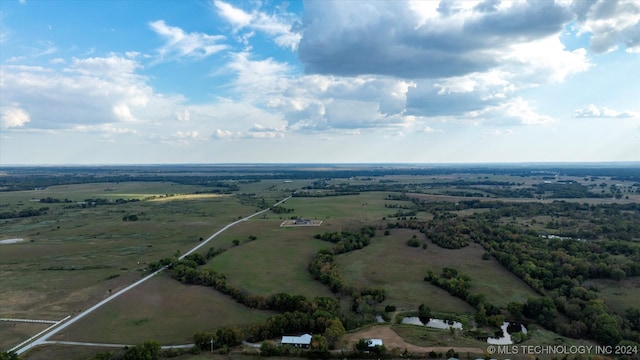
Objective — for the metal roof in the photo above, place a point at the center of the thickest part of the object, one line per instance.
(297, 340)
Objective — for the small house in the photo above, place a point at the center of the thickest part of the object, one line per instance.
(302, 341)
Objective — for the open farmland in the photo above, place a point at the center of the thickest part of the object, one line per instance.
(162, 310)
(77, 254)
(96, 238)
(406, 267)
(275, 262)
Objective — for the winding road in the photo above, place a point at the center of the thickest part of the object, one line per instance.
(42, 337)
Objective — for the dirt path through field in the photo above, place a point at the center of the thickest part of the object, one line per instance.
(392, 340)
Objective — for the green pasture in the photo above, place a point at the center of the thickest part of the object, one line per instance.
(343, 211)
(405, 267)
(276, 262)
(618, 295)
(162, 310)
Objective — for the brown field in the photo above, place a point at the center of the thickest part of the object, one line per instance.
(393, 342)
(13, 333)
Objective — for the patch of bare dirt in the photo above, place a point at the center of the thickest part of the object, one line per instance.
(392, 340)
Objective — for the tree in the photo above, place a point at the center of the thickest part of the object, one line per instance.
(362, 345)
(515, 309)
(319, 344)
(424, 313)
(149, 350)
(607, 330)
(8, 355)
(268, 348)
(334, 331)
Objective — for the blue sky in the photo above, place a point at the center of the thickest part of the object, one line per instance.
(151, 82)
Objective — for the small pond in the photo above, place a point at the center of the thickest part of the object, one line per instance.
(507, 329)
(434, 323)
(10, 241)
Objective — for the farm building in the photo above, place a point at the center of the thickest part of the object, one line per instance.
(297, 341)
(302, 221)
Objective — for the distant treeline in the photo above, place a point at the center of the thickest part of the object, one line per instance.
(23, 213)
(217, 176)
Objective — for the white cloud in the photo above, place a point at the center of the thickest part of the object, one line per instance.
(543, 61)
(276, 26)
(593, 111)
(257, 78)
(237, 17)
(98, 90)
(178, 43)
(221, 134)
(516, 111)
(12, 116)
(57, 61)
(260, 132)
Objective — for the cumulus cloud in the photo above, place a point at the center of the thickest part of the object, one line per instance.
(592, 111)
(609, 23)
(278, 27)
(178, 43)
(412, 41)
(99, 90)
(516, 111)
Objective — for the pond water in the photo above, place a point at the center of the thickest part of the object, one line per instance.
(505, 339)
(10, 241)
(433, 323)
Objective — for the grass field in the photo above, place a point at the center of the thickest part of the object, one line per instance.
(15, 333)
(72, 258)
(619, 295)
(276, 262)
(162, 310)
(405, 268)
